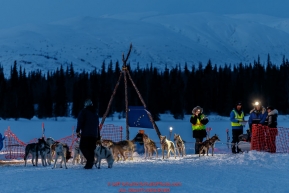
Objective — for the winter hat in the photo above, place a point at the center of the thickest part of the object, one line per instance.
(87, 103)
(239, 103)
(270, 107)
(197, 108)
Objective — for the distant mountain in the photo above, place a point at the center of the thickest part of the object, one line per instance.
(158, 37)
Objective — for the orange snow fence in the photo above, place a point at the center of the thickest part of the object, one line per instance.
(266, 139)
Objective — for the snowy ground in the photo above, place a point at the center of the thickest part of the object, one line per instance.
(224, 172)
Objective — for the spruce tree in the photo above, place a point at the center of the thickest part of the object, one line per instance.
(154, 95)
(60, 97)
(176, 92)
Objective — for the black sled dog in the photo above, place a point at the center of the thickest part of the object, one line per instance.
(205, 146)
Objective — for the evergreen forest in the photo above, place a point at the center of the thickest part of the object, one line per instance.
(177, 91)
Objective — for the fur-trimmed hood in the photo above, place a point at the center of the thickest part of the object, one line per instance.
(273, 112)
(263, 110)
(196, 108)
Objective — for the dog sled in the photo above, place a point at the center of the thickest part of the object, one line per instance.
(244, 142)
(244, 145)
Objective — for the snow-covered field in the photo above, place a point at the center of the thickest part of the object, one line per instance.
(224, 172)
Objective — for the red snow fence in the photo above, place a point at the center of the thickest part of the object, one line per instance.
(266, 139)
(14, 148)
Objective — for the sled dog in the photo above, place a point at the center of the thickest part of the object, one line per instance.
(77, 154)
(50, 141)
(205, 146)
(32, 149)
(102, 152)
(44, 151)
(180, 145)
(61, 150)
(120, 147)
(168, 146)
(149, 146)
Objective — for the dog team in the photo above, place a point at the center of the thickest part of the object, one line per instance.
(91, 149)
(49, 149)
(108, 150)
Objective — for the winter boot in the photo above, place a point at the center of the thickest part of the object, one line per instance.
(88, 165)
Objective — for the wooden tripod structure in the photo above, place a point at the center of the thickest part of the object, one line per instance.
(124, 72)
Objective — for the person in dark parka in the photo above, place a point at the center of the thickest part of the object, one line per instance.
(199, 121)
(272, 131)
(88, 131)
(271, 119)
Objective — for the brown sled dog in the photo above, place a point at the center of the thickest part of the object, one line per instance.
(205, 146)
(119, 148)
(149, 146)
(180, 145)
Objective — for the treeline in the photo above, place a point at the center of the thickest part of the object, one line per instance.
(176, 91)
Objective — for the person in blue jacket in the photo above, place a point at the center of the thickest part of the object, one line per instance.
(236, 116)
(257, 115)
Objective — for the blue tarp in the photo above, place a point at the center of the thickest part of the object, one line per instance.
(138, 117)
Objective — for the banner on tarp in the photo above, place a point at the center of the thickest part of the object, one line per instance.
(138, 117)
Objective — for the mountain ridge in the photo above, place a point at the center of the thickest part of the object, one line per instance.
(159, 38)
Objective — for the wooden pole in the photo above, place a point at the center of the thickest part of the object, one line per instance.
(124, 70)
(43, 130)
(126, 103)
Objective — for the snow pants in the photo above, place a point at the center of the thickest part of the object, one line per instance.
(87, 146)
(198, 144)
(235, 139)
